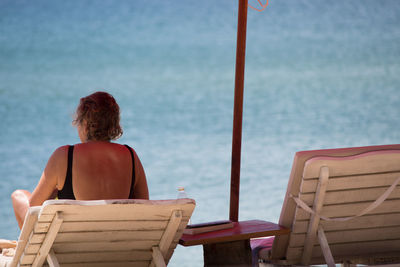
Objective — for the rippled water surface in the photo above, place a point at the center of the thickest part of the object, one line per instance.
(319, 74)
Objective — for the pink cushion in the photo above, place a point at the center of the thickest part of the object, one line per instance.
(261, 247)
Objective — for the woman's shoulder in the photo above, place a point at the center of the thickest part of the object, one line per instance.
(60, 151)
(57, 160)
(59, 154)
(100, 148)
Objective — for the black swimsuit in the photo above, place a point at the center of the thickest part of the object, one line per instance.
(67, 191)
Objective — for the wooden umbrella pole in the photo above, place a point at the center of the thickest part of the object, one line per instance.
(238, 110)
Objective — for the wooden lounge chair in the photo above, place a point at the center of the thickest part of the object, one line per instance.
(102, 233)
(342, 206)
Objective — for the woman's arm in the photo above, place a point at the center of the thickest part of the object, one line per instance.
(20, 202)
(51, 177)
(23, 199)
(141, 191)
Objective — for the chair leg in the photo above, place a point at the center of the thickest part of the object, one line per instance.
(158, 259)
(170, 231)
(52, 259)
(314, 220)
(325, 247)
(48, 240)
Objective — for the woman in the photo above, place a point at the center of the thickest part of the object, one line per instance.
(93, 169)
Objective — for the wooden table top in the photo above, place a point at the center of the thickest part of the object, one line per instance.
(241, 231)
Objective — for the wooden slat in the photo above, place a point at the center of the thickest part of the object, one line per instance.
(30, 251)
(132, 202)
(28, 259)
(103, 246)
(352, 182)
(352, 236)
(74, 247)
(372, 162)
(343, 210)
(91, 217)
(351, 196)
(33, 248)
(100, 236)
(45, 218)
(114, 212)
(118, 256)
(37, 238)
(137, 225)
(109, 236)
(338, 250)
(70, 247)
(366, 221)
(109, 264)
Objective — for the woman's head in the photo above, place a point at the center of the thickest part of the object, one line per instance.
(98, 116)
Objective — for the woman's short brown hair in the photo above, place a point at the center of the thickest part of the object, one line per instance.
(101, 113)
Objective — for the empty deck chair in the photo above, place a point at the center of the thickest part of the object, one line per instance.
(102, 233)
(342, 206)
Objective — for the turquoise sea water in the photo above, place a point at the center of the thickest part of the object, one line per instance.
(319, 74)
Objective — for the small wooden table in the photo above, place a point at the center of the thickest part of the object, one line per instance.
(232, 246)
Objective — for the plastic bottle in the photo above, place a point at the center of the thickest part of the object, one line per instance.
(181, 192)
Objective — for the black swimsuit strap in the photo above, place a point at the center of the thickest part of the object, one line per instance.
(67, 191)
(133, 172)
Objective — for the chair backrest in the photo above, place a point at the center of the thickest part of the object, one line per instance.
(356, 178)
(104, 232)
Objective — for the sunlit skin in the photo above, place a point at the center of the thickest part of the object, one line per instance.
(101, 170)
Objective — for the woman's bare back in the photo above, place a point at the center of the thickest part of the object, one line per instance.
(101, 170)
